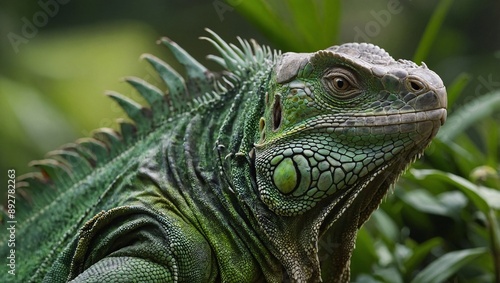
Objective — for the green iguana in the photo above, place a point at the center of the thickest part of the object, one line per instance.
(233, 177)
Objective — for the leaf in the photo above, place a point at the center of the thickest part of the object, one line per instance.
(454, 201)
(385, 256)
(388, 275)
(475, 156)
(365, 278)
(431, 30)
(385, 225)
(491, 196)
(491, 133)
(469, 115)
(456, 87)
(316, 22)
(420, 252)
(494, 230)
(447, 265)
(484, 198)
(266, 17)
(295, 25)
(364, 254)
(424, 201)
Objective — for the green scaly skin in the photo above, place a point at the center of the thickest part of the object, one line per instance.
(230, 179)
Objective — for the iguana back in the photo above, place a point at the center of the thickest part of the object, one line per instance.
(231, 177)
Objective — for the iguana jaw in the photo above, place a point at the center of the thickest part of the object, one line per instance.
(339, 220)
(366, 190)
(336, 219)
(332, 225)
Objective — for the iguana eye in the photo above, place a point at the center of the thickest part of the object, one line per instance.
(340, 83)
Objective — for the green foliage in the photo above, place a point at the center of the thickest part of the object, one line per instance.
(309, 25)
(447, 265)
(471, 114)
(431, 31)
(53, 93)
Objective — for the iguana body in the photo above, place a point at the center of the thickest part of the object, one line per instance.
(232, 179)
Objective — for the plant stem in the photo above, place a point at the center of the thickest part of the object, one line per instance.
(494, 231)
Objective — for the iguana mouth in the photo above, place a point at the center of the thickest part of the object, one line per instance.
(402, 118)
(406, 122)
(380, 120)
(381, 179)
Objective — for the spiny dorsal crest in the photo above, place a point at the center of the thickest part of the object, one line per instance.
(238, 60)
(74, 162)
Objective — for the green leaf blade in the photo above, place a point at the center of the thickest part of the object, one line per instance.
(431, 30)
(470, 114)
(447, 265)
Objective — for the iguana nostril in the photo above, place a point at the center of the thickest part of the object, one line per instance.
(415, 85)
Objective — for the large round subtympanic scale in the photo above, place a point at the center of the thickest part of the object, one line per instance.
(292, 174)
(285, 176)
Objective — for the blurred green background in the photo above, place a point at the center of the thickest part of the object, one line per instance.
(51, 89)
(441, 222)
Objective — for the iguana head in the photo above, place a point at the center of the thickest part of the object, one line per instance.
(339, 126)
(338, 118)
